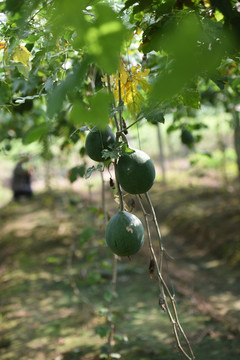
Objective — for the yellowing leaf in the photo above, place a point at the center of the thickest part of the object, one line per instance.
(138, 31)
(143, 73)
(144, 84)
(58, 46)
(129, 82)
(2, 44)
(135, 69)
(21, 54)
(207, 3)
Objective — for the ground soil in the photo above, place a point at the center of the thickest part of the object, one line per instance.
(56, 275)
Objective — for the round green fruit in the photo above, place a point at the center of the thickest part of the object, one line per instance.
(135, 172)
(97, 140)
(124, 234)
(186, 137)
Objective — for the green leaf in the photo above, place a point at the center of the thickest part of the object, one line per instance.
(193, 53)
(172, 128)
(23, 70)
(36, 133)
(100, 33)
(13, 5)
(48, 84)
(105, 265)
(57, 96)
(69, 14)
(93, 278)
(5, 93)
(77, 171)
(102, 330)
(98, 112)
(191, 98)
(126, 150)
(154, 115)
(113, 151)
(108, 296)
(92, 169)
(52, 260)
(105, 37)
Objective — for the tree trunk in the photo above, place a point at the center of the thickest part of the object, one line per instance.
(237, 139)
(47, 175)
(162, 157)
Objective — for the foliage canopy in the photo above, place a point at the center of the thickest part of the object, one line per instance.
(56, 57)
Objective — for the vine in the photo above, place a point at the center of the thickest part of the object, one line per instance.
(130, 239)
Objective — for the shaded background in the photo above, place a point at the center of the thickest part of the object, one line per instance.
(56, 268)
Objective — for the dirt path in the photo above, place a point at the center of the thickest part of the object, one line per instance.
(43, 319)
(210, 284)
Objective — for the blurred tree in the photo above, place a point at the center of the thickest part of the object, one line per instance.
(223, 91)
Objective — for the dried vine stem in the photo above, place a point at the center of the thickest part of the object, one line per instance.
(172, 314)
(161, 248)
(114, 275)
(119, 126)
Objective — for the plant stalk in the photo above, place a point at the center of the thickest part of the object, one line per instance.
(173, 315)
(157, 230)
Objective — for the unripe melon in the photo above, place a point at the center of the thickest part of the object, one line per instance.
(135, 172)
(97, 140)
(124, 234)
